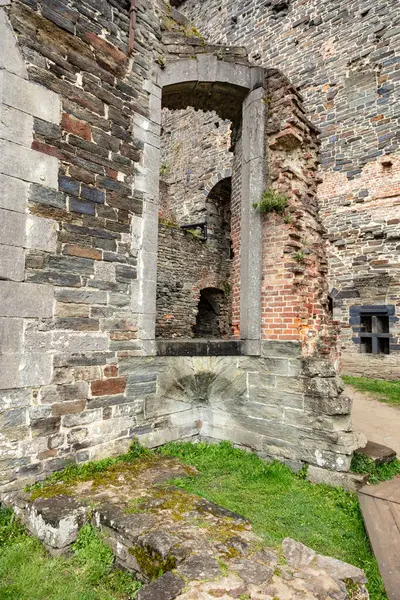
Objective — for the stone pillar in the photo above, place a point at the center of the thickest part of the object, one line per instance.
(145, 228)
(253, 185)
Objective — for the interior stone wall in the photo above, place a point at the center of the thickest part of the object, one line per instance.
(186, 265)
(194, 149)
(344, 60)
(280, 405)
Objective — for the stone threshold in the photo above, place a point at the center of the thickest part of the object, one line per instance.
(200, 347)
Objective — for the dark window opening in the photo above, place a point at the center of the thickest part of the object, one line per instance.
(366, 345)
(374, 331)
(211, 318)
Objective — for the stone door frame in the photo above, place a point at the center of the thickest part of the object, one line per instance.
(204, 69)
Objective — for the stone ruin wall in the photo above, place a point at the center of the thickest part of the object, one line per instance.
(344, 60)
(76, 379)
(194, 155)
(186, 265)
(75, 121)
(293, 249)
(195, 149)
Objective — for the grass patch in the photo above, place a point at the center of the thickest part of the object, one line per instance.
(364, 464)
(280, 504)
(27, 572)
(271, 201)
(385, 391)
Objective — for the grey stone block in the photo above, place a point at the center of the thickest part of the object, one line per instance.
(328, 405)
(281, 349)
(81, 296)
(11, 58)
(16, 126)
(313, 367)
(80, 343)
(26, 300)
(11, 335)
(55, 521)
(27, 164)
(12, 228)
(35, 369)
(13, 398)
(350, 481)
(41, 234)
(12, 263)
(31, 98)
(13, 193)
(46, 195)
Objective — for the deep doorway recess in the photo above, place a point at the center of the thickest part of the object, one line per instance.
(212, 319)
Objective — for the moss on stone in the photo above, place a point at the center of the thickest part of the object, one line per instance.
(151, 563)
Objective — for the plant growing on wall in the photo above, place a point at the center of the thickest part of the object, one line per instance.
(164, 168)
(271, 201)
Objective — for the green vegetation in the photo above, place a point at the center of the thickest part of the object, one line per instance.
(363, 464)
(271, 201)
(28, 573)
(300, 256)
(385, 391)
(164, 169)
(281, 504)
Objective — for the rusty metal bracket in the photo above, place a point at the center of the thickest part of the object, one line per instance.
(132, 26)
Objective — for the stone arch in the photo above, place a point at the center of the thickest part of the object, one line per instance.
(235, 92)
(216, 178)
(21, 167)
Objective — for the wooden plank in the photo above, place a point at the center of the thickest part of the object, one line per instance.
(387, 490)
(384, 536)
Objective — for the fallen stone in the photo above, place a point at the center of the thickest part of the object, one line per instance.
(56, 521)
(379, 453)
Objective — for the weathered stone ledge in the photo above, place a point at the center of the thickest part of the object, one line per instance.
(203, 550)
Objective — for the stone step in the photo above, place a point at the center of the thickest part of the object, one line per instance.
(378, 453)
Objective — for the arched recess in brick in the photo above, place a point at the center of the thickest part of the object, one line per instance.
(235, 92)
(22, 304)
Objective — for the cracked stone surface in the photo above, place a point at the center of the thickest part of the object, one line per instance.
(203, 550)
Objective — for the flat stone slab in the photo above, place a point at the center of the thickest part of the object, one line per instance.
(379, 453)
(203, 551)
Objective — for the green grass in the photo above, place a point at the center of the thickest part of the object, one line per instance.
(27, 572)
(281, 504)
(385, 391)
(363, 464)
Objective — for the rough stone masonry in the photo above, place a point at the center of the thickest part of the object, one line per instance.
(81, 372)
(344, 59)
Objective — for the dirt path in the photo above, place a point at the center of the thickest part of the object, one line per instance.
(380, 422)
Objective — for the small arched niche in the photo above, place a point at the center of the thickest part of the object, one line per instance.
(212, 320)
